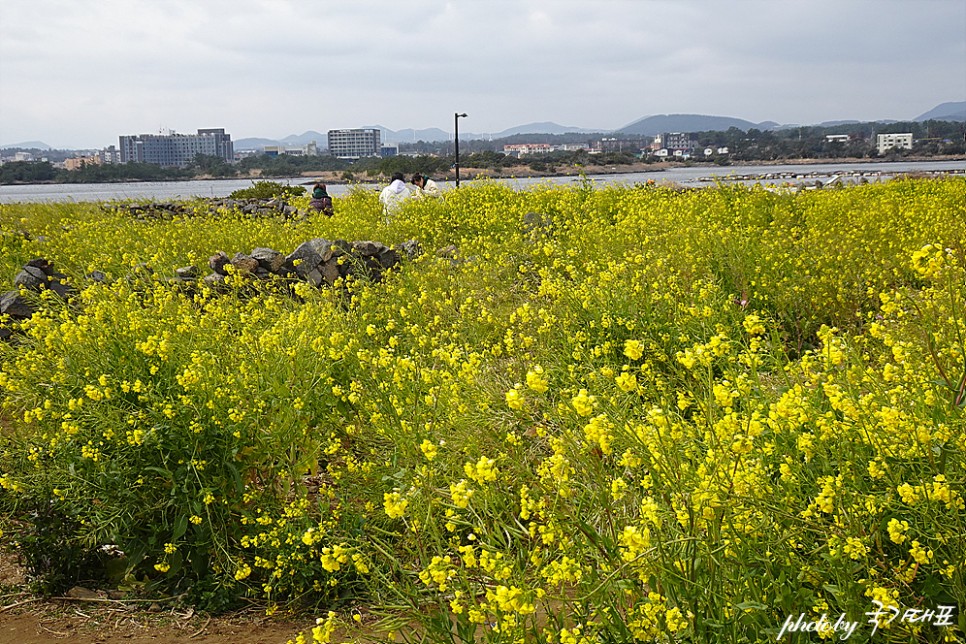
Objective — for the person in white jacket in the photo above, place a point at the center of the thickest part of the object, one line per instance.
(394, 195)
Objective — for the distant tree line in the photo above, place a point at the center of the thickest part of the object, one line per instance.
(807, 142)
(45, 172)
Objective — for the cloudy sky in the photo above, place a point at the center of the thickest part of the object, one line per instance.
(78, 74)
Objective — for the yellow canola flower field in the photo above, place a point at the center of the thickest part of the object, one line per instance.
(642, 414)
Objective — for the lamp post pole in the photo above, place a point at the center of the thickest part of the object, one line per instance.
(456, 140)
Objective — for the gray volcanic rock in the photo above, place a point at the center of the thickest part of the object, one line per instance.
(31, 278)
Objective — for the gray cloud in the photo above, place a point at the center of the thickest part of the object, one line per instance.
(79, 74)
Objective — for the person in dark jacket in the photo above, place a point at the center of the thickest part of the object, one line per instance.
(321, 201)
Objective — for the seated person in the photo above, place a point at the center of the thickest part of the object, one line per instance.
(321, 201)
(425, 187)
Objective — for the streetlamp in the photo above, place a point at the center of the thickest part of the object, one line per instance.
(456, 140)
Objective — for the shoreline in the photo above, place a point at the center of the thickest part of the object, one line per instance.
(523, 172)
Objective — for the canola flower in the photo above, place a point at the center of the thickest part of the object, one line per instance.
(671, 415)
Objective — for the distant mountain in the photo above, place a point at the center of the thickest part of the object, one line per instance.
(945, 112)
(253, 143)
(292, 141)
(544, 127)
(654, 125)
(27, 145)
(646, 126)
(409, 135)
(305, 138)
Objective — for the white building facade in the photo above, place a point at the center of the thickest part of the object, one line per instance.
(355, 143)
(886, 142)
(175, 150)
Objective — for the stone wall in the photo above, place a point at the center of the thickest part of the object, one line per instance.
(319, 262)
(316, 261)
(275, 207)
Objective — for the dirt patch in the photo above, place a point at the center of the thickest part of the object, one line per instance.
(28, 619)
(11, 575)
(51, 621)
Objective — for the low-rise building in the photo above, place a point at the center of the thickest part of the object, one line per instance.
(613, 144)
(677, 141)
(310, 149)
(523, 149)
(572, 147)
(76, 163)
(886, 142)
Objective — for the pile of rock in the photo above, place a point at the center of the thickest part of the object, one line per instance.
(317, 261)
(274, 207)
(36, 275)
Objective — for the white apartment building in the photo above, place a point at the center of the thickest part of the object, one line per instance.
(173, 149)
(355, 143)
(523, 149)
(888, 141)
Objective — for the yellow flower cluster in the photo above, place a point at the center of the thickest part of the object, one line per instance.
(666, 415)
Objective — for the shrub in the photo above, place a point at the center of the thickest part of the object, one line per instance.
(267, 190)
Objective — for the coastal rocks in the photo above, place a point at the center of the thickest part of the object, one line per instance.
(218, 262)
(35, 276)
(808, 180)
(315, 261)
(270, 260)
(31, 278)
(318, 262)
(244, 264)
(15, 305)
(307, 256)
(411, 249)
(214, 279)
(165, 210)
(274, 207)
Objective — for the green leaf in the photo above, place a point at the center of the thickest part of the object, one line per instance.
(750, 604)
(199, 562)
(175, 560)
(180, 527)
